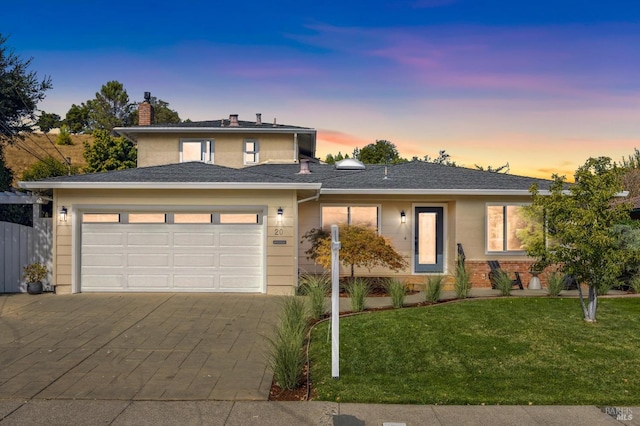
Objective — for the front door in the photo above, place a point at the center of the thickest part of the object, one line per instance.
(429, 239)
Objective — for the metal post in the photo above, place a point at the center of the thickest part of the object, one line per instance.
(335, 302)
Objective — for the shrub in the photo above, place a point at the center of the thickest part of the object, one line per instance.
(634, 284)
(286, 354)
(555, 284)
(64, 137)
(398, 291)
(434, 288)
(462, 283)
(315, 287)
(358, 289)
(503, 282)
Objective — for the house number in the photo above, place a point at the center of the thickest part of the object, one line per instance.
(279, 231)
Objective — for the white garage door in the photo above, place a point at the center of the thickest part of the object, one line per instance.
(171, 257)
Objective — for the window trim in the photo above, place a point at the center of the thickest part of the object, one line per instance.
(348, 206)
(504, 250)
(255, 152)
(207, 149)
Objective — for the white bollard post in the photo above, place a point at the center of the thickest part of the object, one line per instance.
(335, 302)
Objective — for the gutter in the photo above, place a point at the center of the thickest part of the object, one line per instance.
(168, 185)
(314, 198)
(510, 192)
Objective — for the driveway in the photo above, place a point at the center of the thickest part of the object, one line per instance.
(136, 346)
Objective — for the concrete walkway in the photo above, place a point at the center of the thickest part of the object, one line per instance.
(264, 413)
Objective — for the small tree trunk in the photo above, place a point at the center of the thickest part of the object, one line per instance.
(593, 304)
(589, 310)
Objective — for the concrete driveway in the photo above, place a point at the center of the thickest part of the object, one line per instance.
(136, 346)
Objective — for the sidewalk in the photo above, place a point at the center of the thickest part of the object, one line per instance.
(264, 413)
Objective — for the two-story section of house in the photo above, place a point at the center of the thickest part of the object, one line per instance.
(226, 142)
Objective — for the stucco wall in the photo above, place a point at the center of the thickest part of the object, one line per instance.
(281, 261)
(156, 150)
(465, 218)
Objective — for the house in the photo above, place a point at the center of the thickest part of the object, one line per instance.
(222, 205)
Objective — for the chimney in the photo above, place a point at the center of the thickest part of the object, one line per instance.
(145, 111)
(304, 167)
(258, 119)
(274, 122)
(233, 120)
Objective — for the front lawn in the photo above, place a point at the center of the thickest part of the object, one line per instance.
(500, 351)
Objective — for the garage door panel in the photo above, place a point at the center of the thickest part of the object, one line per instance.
(172, 257)
(194, 281)
(240, 260)
(237, 239)
(148, 281)
(194, 260)
(238, 282)
(104, 281)
(182, 239)
(103, 259)
(148, 239)
(103, 239)
(147, 259)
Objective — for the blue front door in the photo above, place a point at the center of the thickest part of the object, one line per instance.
(429, 239)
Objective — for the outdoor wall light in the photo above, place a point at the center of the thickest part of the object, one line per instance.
(63, 214)
(403, 217)
(280, 212)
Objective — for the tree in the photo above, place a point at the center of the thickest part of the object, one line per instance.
(64, 137)
(380, 152)
(580, 222)
(111, 107)
(77, 118)
(361, 246)
(48, 167)
(500, 169)
(20, 92)
(48, 121)
(333, 159)
(631, 177)
(6, 175)
(109, 153)
(162, 114)
(442, 158)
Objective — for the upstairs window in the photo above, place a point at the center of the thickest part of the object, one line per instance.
(251, 151)
(196, 150)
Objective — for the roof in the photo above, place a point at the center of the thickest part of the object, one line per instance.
(415, 177)
(219, 124)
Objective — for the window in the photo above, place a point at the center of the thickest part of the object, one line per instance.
(239, 218)
(510, 228)
(147, 218)
(251, 151)
(192, 218)
(352, 215)
(101, 218)
(196, 150)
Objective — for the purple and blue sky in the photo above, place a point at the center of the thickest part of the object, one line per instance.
(540, 84)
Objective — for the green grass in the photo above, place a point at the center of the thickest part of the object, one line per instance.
(501, 351)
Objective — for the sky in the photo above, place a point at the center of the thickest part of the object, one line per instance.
(541, 85)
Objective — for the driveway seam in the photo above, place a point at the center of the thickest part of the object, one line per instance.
(100, 348)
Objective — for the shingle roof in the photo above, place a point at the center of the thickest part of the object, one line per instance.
(414, 175)
(223, 124)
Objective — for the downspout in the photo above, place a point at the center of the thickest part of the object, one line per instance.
(315, 198)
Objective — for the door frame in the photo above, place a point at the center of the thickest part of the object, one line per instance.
(413, 222)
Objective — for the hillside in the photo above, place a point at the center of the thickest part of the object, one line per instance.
(18, 159)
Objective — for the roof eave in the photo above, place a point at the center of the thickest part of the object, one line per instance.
(128, 131)
(356, 191)
(168, 185)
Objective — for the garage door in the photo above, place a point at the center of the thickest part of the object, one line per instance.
(172, 257)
